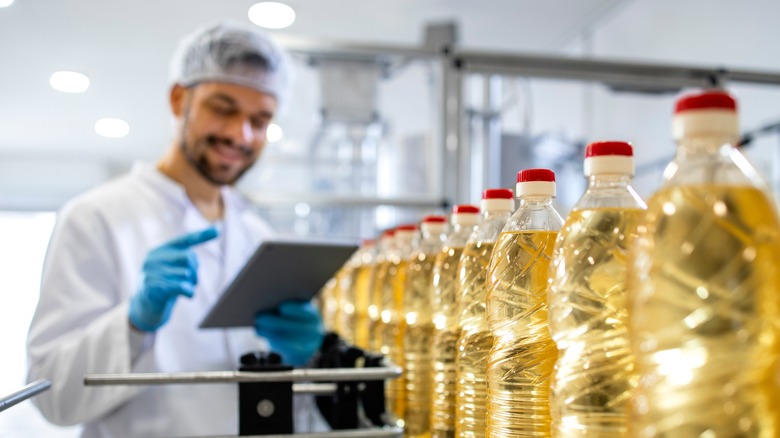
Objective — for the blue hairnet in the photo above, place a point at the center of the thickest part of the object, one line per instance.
(231, 52)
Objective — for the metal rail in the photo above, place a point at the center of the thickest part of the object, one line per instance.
(629, 75)
(304, 375)
(354, 433)
(23, 394)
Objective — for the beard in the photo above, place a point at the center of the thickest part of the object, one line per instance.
(215, 173)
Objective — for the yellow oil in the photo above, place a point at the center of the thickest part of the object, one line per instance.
(346, 304)
(329, 304)
(474, 343)
(445, 340)
(392, 333)
(704, 303)
(520, 364)
(594, 376)
(417, 346)
(361, 291)
(379, 284)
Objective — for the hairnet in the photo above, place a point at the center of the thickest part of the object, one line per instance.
(228, 51)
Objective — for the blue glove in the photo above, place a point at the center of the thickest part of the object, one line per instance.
(168, 271)
(294, 330)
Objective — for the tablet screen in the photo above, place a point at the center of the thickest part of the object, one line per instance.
(278, 271)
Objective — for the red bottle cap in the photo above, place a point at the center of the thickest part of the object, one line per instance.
(601, 148)
(706, 100)
(464, 208)
(497, 194)
(528, 175)
(434, 219)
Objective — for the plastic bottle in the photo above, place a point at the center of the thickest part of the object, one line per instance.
(475, 338)
(360, 292)
(704, 287)
(392, 317)
(346, 289)
(521, 361)
(346, 305)
(445, 320)
(594, 376)
(329, 303)
(385, 251)
(419, 327)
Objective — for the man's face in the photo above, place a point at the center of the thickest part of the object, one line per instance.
(223, 128)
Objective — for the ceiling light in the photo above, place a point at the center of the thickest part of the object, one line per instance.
(68, 81)
(112, 128)
(274, 133)
(5, 3)
(271, 15)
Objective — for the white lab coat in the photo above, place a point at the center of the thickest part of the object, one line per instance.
(91, 271)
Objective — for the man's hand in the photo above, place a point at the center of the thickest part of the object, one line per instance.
(294, 330)
(168, 271)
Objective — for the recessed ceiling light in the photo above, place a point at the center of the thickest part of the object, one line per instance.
(271, 15)
(69, 81)
(5, 3)
(112, 128)
(274, 133)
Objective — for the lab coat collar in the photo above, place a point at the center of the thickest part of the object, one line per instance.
(167, 187)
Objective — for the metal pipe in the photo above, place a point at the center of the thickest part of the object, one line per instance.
(315, 388)
(311, 375)
(643, 76)
(23, 394)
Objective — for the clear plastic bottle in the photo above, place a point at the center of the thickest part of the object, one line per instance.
(346, 307)
(520, 364)
(445, 320)
(360, 292)
(347, 294)
(594, 376)
(704, 288)
(419, 327)
(329, 303)
(385, 252)
(391, 315)
(475, 339)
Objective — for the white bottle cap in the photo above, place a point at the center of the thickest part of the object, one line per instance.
(433, 224)
(535, 182)
(465, 215)
(405, 232)
(609, 157)
(706, 114)
(497, 200)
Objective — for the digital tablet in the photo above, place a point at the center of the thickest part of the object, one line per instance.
(278, 271)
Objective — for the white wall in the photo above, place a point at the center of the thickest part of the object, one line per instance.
(713, 33)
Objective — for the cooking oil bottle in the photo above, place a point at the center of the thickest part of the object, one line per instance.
(346, 317)
(386, 251)
(419, 327)
(594, 376)
(521, 361)
(360, 292)
(329, 303)
(475, 338)
(704, 287)
(445, 320)
(392, 316)
(346, 306)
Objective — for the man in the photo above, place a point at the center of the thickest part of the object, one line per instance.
(133, 266)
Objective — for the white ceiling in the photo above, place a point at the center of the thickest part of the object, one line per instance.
(124, 47)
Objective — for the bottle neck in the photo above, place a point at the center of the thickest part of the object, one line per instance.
(489, 215)
(690, 147)
(608, 181)
(535, 201)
